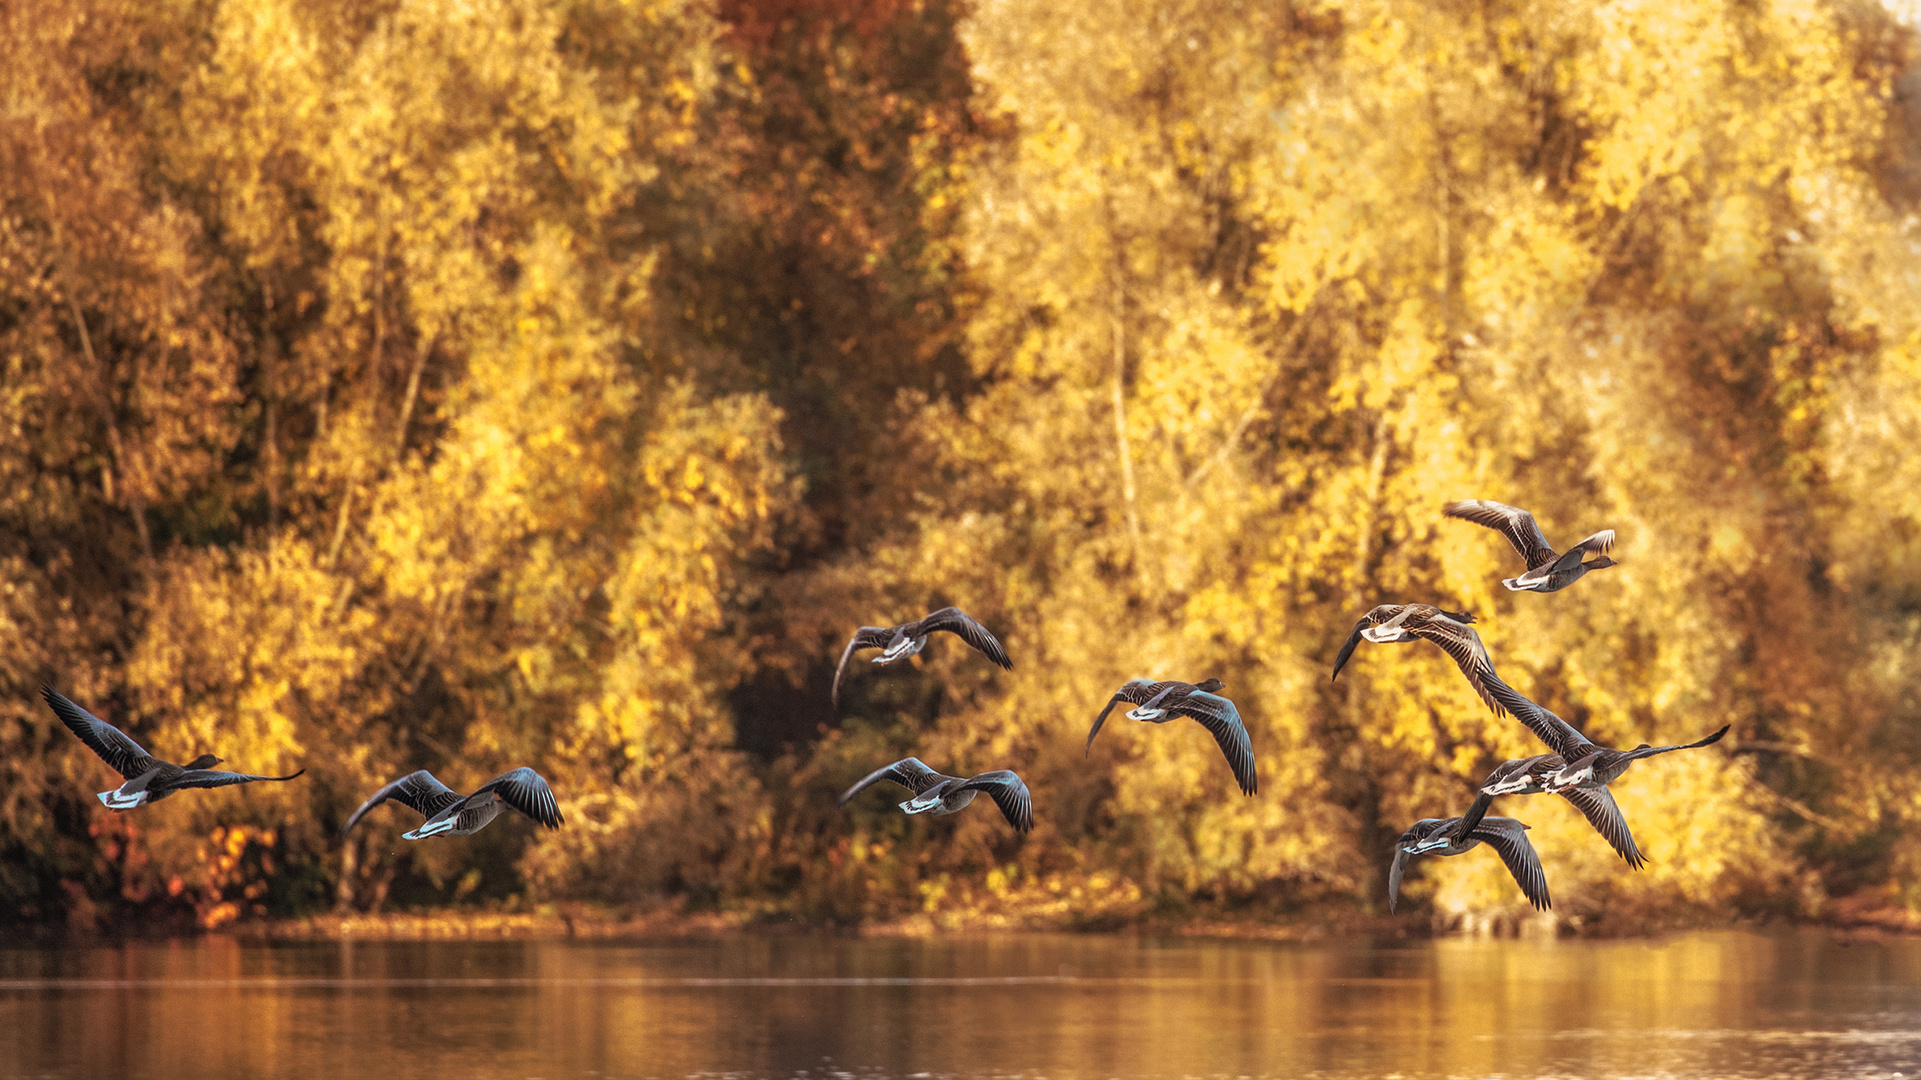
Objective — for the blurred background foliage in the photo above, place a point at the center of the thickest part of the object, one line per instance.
(394, 384)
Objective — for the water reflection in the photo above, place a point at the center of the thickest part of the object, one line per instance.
(1720, 1005)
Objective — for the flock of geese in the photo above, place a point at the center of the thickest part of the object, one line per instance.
(448, 813)
(1575, 768)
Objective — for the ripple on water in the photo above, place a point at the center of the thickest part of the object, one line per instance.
(1055, 1007)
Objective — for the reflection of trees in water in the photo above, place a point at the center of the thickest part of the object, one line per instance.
(1068, 1006)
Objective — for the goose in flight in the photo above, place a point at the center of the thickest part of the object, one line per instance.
(1577, 770)
(1159, 702)
(1547, 569)
(450, 813)
(1532, 776)
(1448, 629)
(938, 793)
(903, 641)
(148, 778)
(1453, 836)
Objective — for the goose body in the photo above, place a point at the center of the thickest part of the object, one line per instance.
(1536, 775)
(1523, 776)
(938, 793)
(450, 813)
(1456, 836)
(1603, 766)
(900, 642)
(1547, 569)
(1157, 702)
(148, 779)
(1577, 770)
(1388, 623)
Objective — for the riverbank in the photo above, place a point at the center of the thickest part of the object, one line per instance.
(1846, 921)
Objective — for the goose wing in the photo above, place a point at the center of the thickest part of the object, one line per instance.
(1640, 752)
(955, 621)
(867, 637)
(1009, 792)
(1598, 806)
(1394, 876)
(1475, 813)
(526, 791)
(419, 790)
(1219, 716)
(909, 773)
(208, 778)
(1508, 838)
(114, 746)
(1347, 648)
(1512, 522)
(1134, 692)
(1559, 735)
(1464, 645)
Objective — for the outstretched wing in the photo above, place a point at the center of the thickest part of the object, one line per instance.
(1599, 544)
(1475, 813)
(1219, 716)
(1394, 876)
(1347, 649)
(955, 621)
(1640, 752)
(1514, 523)
(867, 637)
(1559, 735)
(526, 791)
(206, 778)
(1009, 792)
(907, 772)
(1464, 645)
(127, 757)
(1598, 806)
(418, 790)
(1508, 838)
(1134, 692)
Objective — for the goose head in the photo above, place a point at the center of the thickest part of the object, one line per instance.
(204, 761)
(1600, 562)
(1210, 686)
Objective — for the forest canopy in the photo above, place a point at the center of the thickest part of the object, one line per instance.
(398, 384)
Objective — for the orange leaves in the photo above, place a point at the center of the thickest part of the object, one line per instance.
(498, 382)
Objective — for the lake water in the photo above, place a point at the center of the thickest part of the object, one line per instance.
(1705, 1005)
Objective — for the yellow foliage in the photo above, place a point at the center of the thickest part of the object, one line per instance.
(559, 382)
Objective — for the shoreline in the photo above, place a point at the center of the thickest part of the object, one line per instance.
(583, 922)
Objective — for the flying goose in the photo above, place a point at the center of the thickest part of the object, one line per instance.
(903, 641)
(938, 793)
(1447, 836)
(1159, 702)
(450, 813)
(148, 778)
(1448, 629)
(1584, 772)
(1602, 766)
(1547, 570)
(1532, 776)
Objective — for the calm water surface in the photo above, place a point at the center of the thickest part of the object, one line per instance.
(1708, 1005)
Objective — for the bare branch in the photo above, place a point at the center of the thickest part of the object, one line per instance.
(135, 504)
(1253, 409)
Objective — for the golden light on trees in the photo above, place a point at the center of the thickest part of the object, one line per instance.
(390, 385)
